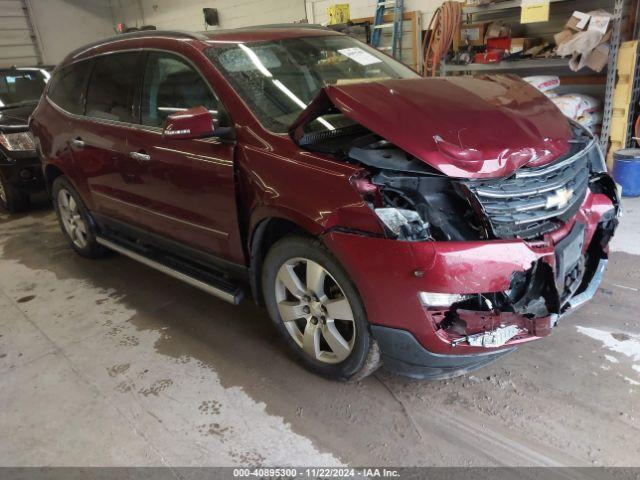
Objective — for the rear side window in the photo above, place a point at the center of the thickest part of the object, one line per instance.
(171, 85)
(112, 87)
(67, 87)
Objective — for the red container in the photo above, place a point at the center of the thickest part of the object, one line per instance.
(499, 43)
(490, 56)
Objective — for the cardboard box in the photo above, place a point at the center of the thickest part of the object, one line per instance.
(563, 36)
(496, 30)
(598, 58)
(578, 21)
(472, 33)
(522, 44)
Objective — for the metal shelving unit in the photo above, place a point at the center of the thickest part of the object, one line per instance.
(547, 63)
(614, 45)
(497, 6)
(557, 66)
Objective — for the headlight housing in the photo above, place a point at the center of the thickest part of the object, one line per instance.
(597, 160)
(22, 141)
(403, 224)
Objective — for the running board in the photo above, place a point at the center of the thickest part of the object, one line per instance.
(233, 296)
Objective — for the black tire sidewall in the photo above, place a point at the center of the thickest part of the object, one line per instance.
(93, 248)
(298, 246)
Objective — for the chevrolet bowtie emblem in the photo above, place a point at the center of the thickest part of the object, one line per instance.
(559, 199)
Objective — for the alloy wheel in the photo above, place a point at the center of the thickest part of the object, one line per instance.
(315, 310)
(72, 221)
(3, 194)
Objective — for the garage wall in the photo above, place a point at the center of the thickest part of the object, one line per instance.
(187, 15)
(317, 9)
(18, 44)
(64, 25)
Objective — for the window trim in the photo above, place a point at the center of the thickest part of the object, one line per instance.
(133, 126)
(83, 93)
(189, 64)
(136, 86)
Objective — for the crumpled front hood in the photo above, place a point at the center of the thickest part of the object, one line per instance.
(465, 127)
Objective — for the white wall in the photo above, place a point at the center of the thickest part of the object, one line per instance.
(317, 9)
(64, 25)
(187, 14)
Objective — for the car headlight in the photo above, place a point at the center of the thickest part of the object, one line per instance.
(403, 224)
(22, 141)
(432, 299)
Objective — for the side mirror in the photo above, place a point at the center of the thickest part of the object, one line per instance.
(193, 123)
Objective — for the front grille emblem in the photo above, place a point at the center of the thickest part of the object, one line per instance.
(559, 199)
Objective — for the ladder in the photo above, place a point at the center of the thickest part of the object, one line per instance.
(396, 25)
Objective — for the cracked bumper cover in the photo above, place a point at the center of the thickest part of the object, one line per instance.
(389, 274)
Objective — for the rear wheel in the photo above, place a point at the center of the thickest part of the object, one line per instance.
(74, 219)
(12, 199)
(317, 309)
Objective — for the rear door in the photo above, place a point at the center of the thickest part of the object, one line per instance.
(185, 189)
(111, 118)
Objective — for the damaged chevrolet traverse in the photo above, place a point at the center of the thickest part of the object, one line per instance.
(429, 225)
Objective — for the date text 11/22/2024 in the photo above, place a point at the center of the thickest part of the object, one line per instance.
(320, 472)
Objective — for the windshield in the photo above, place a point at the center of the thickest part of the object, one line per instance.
(278, 79)
(21, 86)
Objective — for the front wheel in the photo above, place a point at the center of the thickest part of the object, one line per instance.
(317, 309)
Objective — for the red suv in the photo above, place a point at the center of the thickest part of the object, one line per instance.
(428, 224)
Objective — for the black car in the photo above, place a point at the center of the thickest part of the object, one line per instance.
(20, 172)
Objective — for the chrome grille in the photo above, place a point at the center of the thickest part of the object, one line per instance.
(534, 200)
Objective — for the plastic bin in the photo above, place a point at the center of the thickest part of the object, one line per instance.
(626, 171)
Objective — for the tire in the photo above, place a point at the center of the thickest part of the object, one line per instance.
(318, 310)
(12, 199)
(77, 225)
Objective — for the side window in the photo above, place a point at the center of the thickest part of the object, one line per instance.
(112, 87)
(171, 85)
(67, 87)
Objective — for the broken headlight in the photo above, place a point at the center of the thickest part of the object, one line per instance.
(403, 224)
(433, 299)
(22, 141)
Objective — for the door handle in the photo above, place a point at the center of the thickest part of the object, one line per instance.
(78, 142)
(141, 157)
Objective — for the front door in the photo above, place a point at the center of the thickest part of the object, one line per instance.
(184, 189)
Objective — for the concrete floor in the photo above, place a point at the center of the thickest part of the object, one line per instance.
(110, 363)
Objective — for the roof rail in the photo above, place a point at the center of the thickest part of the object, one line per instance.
(140, 34)
(313, 26)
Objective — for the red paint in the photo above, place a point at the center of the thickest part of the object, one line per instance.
(190, 124)
(465, 127)
(449, 267)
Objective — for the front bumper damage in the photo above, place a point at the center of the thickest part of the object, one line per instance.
(516, 290)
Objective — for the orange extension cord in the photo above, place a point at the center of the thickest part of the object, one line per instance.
(443, 26)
